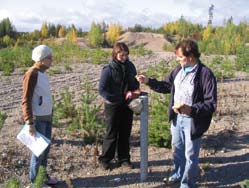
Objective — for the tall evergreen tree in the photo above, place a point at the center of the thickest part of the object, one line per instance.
(51, 30)
(6, 28)
(95, 35)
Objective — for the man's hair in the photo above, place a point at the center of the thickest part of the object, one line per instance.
(119, 47)
(189, 48)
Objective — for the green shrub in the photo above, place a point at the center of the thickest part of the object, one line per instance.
(11, 58)
(65, 108)
(41, 177)
(67, 53)
(8, 69)
(140, 51)
(245, 184)
(159, 129)
(98, 56)
(6, 62)
(3, 117)
(222, 67)
(161, 70)
(82, 119)
(68, 68)
(243, 58)
(55, 116)
(13, 183)
(23, 56)
(169, 47)
(87, 120)
(54, 71)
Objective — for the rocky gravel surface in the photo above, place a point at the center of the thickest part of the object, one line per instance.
(224, 157)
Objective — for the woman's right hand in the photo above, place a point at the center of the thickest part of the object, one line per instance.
(32, 130)
(142, 79)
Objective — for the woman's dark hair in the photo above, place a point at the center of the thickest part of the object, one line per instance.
(189, 48)
(119, 47)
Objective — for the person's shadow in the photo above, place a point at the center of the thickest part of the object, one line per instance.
(122, 179)
(225, 170)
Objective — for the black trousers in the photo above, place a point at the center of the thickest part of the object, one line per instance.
(119, 123)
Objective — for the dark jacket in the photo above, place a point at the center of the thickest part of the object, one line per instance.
(116, 79)
(204, 97)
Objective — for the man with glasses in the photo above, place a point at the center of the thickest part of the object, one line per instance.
(193, 100)
(37, 104)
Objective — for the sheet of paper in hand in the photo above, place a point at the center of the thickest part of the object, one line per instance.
(37, 144)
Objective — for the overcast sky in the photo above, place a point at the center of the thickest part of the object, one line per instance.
(28, 15)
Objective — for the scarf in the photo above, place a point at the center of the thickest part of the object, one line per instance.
(119, 74)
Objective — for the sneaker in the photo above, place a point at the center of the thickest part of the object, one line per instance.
(51, 181)
(170, 180)
(104, 165)
(126, 164)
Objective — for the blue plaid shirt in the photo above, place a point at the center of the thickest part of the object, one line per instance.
(184, 86)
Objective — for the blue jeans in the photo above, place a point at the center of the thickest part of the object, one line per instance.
(45, 128)
(185, 152)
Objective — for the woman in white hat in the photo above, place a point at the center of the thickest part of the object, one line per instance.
(37, 104)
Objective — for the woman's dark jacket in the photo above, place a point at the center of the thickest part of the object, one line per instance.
(204, 97)
(116, 79)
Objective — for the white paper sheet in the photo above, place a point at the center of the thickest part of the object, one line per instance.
(37, 144)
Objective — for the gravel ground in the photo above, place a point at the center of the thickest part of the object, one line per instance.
(224, 157)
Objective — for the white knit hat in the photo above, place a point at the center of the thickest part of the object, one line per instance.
(40, 52)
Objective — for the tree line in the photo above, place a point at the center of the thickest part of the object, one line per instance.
(225, 39)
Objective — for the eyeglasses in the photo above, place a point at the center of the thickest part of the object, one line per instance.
(123, 54)
(179, 58)
(49, 58)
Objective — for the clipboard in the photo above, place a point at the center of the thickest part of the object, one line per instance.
(37, 144)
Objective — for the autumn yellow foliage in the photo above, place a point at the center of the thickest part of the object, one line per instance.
(113, 33)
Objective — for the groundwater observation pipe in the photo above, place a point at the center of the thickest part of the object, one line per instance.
(144, 137)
